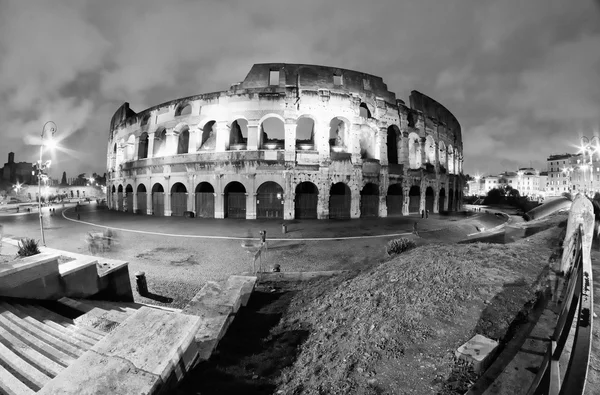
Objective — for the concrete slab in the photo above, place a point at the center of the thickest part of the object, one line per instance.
(477, 350)
(154, 341)
(214, 324)
(242, 285)
(96, 374)
(25, 270)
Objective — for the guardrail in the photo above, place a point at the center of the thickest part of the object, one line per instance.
(576, 267)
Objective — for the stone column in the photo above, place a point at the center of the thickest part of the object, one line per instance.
(436, 199)
(423, 197)
(135, 202)
(354, 144)
(290, 139)
(382, 148)
(322, 141)
(422, 147)
(171, 142)
(437, 158)
(323, 199)
(151, 145)
(384, 183)
(222, 131)
(406, 192)
(191, 203)
(403, 152)
(193, 141)
(289, 205)
(447, 191)
(124, 198)
(251, 198)
(354, 202)
(253, 135)
(136, 148)
(219, 197)
(168, 197)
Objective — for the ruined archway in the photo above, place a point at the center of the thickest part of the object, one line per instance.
(339, 201)
(119, 197)
(143, 146)
(208, 137)
(129, 198)
(414, 151)
(369, 200)
(183, 140)
(141, 199)
(205, 200)
(393, 137)
(305, 134)
(238, 136)
(441, 200)
(366, 140)
(179, 198)
(363, 111)
(429, 198)
(235, 200)
(394, 199)
(443, 153)
(414, 202)
(430, 150)
(158, 200)
(338, 135)
(160, 142)
(183, 109)
(305, 201)
(271, 134)
(269, 200)
(130, 148)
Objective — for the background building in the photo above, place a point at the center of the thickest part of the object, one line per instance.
(13, 172)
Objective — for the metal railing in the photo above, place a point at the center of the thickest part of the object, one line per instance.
(577, 304)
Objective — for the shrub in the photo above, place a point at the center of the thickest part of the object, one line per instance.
(398, 246)
(28, 247)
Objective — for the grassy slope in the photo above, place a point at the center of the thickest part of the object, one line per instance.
(394, 328)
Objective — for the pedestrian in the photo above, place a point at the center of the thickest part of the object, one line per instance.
(427, 214)
(415, 231)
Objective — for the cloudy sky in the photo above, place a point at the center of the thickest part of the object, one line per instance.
(522, 77)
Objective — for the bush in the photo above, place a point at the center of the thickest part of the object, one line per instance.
(398, 246)
(28, 247)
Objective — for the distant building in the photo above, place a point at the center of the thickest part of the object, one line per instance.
(528, 181)
(559, 174)
(17, 172)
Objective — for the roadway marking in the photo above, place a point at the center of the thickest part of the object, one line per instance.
(243, 238)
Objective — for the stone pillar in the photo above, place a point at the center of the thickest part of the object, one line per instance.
(151, 145)
(382, 148)
(422, 147)
(222, 131)
(124, 203)
(191, 203)
(406, 192)
(354, 144)
(149, 200)
(289, 205)
(251, 198)
(354, 202)
(403, 153)
(384, 183)
(171, 142)
(193, 141)
(447, 191)
(136, 148)
(219, 197)
(168, 197)
(423, 197)
(322, 141)
(253, 135)
(436, 199)
(437, 158)
(290, 139)
(323, 199)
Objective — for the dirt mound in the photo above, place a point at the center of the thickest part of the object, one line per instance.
(394, 328)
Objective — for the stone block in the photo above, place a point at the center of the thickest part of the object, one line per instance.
(478, 350)
(242, 285)
(24, 270)
(214, 323)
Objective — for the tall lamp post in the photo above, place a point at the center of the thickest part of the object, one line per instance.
(48, 127)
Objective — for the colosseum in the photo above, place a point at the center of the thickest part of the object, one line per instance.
(291, 141)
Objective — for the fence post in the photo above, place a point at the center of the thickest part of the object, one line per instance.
(582, 212)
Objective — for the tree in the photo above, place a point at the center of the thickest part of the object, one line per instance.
(63, 181)
(495, 196)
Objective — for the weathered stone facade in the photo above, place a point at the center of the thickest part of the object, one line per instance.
(290, 141)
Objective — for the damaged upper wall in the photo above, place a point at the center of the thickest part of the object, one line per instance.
(432, 109)
(120, 115)
(306, 76)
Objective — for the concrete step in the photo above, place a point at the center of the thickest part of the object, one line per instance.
(67, 323)
(22, 370)
(95, 317)
(11, 385)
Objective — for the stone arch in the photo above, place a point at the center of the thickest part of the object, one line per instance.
(183, 140)
(269, 200)
(143, 146)
(339, 201)
(208, 136)
(430, 149)
(238, 137)
(205, 200)
(363, 111)
(305, 132)
(441, 200)
(130, 151)
(183, 109)
(429, 199)
(120, 188)
(306, 200)
(158, 200)
(141, 199)
(160, 142)
(393, 138)
(414, 151)
(443, 153)
(271, 132)
(394, 199)
(339, 134)
(144, 120)
(114, 189)
(121, 152)
(366, 139)
(450, 159)
(179, 199)
(235, 200)
(369, 200)
(128, 198)
(414, 196)
(119, 197)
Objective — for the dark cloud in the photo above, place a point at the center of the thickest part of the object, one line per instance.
(521, 77)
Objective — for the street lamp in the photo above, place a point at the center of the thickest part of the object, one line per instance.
(48, 127)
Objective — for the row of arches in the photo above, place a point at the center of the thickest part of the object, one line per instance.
(271, 136)
(270, 200)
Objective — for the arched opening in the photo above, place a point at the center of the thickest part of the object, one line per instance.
(119, 197)
(339, 201)
(185, 109)
(338, 135)
(451, 200)
(450, 160)
(305, 134)
(441, 200)
(430, 150)
(160, 140)
(393, 137)
(178, 199)
(395, 199)
(130, 151)
(145, 120)
(113, 160)
(363, 111)
(158, 200)
(129, 198)
(78, 193)
(142, 207)
(143, 146)
(183, 140)
(305, 201)
(238, 137)
(369, 200)
(208, 140)
(272, 134)
(367, 143)
(414, 202)
(443, 153)
(429, 196)
(269, 200)
(235, 200)
(414, 151)
(205, 200)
